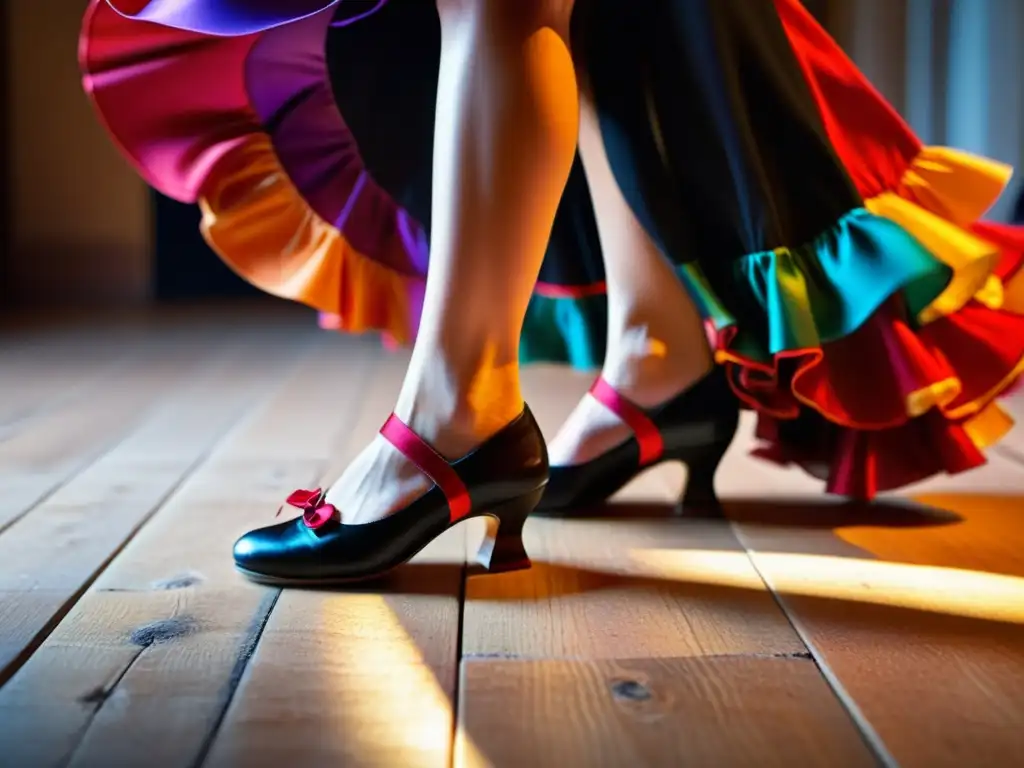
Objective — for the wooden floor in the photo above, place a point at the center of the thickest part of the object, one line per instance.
(800, 632)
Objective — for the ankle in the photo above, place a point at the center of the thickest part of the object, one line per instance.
(651, 367)
(456, 406)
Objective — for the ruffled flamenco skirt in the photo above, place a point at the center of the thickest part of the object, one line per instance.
(859, 302)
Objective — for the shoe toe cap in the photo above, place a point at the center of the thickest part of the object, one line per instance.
(264, 550)
(249, 547)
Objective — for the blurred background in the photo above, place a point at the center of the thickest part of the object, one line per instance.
(79, 227)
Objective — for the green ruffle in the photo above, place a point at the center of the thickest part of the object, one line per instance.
(803, 297)
(565, 330)
(779, 300)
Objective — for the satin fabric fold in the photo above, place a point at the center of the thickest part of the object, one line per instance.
(893, 326)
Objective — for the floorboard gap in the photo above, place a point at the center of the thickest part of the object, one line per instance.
(246, 652)
(100, 696)
(867, 732)
(459, 658)
(6, 673)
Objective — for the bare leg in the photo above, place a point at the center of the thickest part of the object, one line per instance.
(657, 346)
(506, 129)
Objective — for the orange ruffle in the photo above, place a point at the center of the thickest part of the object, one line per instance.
(259, 224)
(953, 184)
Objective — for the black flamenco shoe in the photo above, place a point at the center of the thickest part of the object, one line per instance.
(503, 479)
(695, 428)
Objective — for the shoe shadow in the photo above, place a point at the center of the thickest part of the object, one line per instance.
(569, 578)
(788, 524)
(785, 513)
(842, 513)
(423, 579)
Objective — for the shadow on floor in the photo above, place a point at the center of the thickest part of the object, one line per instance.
(788, 513)
(714, 577)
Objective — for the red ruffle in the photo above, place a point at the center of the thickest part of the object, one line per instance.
(841, 412)
(873, 142)
(190, 120)
(848, 403)
(864, 381)
(1010, 240)
(863, 463)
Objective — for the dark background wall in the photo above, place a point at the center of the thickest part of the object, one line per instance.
(184, 267)
(80, 225)
(5, 214)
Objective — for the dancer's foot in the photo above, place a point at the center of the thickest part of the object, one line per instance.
(402, 492)
(380, 480)
(644, 369)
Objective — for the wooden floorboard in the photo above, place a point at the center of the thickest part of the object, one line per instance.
(89, 519)
(364, 678)
(141, 669)
(798, 631)
(700, 711)
(601, 657)
(44, 452)
(914, 606)
(35, 378)
(64, 359)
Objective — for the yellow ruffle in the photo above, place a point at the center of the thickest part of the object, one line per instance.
(958, 186)
(1013, 295)
(990, 425)
(971, 258)
(259, 224)
(942, 193)
(938, 395)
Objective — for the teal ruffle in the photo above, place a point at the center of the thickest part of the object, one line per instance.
(779, 300)
(565, 330)
(803, 297)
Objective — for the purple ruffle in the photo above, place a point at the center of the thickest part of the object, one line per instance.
(222, 17)
(289, 88)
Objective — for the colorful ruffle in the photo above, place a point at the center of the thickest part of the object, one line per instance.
(287, 202)
(912, 292)
(290, 208)
(936, 369)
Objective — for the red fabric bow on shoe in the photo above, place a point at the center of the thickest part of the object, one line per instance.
(316, 512)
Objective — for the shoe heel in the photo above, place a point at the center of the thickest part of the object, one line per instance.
(502, 549)
(699, 498)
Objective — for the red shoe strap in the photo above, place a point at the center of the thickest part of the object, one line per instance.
(647, 435)
(430, 463)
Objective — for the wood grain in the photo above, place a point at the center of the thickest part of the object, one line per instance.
(894, 632)
(914, 605)
(88, 520)
(604, 657)
(42, 453)
(724, 711)
(588, 597)
(141, 669)
(38, 374)
(361, 678)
